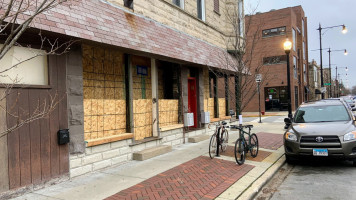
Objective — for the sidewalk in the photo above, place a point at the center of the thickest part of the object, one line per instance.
(185, 173)
(267, 114)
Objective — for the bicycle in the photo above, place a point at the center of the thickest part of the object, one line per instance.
(243, 146)
(223, 139)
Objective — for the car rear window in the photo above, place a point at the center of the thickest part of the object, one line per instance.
(314, 114)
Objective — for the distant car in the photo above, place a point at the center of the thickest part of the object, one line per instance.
(321, 129)
(350, 102)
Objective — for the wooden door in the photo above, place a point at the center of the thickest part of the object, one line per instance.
(192, 99)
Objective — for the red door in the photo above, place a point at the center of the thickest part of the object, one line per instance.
(192, 99)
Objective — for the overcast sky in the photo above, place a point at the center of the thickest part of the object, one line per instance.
(327, 13)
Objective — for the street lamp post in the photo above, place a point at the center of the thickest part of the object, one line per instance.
(344, 30)
(329, 51)
(287, 47)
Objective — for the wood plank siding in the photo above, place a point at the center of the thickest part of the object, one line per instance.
(33, 150)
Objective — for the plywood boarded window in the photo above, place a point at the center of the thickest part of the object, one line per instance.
(104, 93)
(142, 95)
(168, 94)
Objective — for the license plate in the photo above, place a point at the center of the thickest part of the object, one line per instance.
(320, 152)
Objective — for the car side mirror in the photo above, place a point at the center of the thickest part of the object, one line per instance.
(353, 108)
(287, 120)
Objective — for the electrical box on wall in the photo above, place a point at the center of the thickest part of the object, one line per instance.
(63, 136)
(205, 117)
(188, 119)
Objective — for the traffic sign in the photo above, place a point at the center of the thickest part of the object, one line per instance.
(258, 77)
(327, 83)
(323, 89)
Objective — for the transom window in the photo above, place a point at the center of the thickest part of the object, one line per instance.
(274, 31)
(28, 66)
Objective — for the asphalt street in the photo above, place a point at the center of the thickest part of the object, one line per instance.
(318, 180)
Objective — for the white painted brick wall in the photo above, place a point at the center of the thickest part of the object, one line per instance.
(138, 147)
(120, 159)
(119, 144)
(111, 153)
(100, 148)
(125, 150)
(75, 162)
(92, 158)
(80, 171)
(101, 164)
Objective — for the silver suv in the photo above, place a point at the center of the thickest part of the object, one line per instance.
(323, 128)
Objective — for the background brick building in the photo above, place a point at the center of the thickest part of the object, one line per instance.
(268, 54)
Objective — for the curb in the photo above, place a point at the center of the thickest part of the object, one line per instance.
(262, 180)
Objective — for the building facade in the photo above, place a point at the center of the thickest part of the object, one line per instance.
(314, 81)
(136, 70)
(270, 58)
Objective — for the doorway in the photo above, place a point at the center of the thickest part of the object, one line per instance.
(192, 99)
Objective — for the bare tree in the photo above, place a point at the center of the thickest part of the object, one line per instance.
(16, 17)
(243, 57)
(353, 90)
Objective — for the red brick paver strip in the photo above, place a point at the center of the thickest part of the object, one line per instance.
(269, 140)
(200, 178)
(259, 158)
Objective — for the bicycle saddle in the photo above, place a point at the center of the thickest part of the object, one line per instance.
(223, 123)
(249, 126)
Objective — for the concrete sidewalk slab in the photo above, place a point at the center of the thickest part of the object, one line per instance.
(107, 182)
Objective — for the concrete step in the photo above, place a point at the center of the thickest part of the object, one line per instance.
(151, 152)
(198, 138)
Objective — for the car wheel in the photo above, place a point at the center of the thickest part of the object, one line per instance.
(354, 163)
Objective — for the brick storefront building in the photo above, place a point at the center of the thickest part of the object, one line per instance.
(138, 67)
(268, 55)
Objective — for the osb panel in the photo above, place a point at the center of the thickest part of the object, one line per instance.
(104, 117)
(160, 84)
(206, 83)
(104, 92)
(168, 112)
(222, 107)
(205, 105)
(142, 114)
(211, 107)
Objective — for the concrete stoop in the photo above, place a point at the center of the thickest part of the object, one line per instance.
(151, 152)
(198, 138)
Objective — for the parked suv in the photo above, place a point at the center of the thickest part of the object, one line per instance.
(321, 129)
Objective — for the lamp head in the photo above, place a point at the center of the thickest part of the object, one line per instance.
(287, 46)
(344, 29)
(345, 52)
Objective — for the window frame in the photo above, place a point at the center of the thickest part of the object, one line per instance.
(181, 3)
(278, 31)
(294, 37)
(282, 59)
(48, 73)
(201, 5)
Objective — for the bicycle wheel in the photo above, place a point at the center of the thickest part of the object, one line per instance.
(224, 140)
(239, 151)
(254, 145)
(212, 146)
